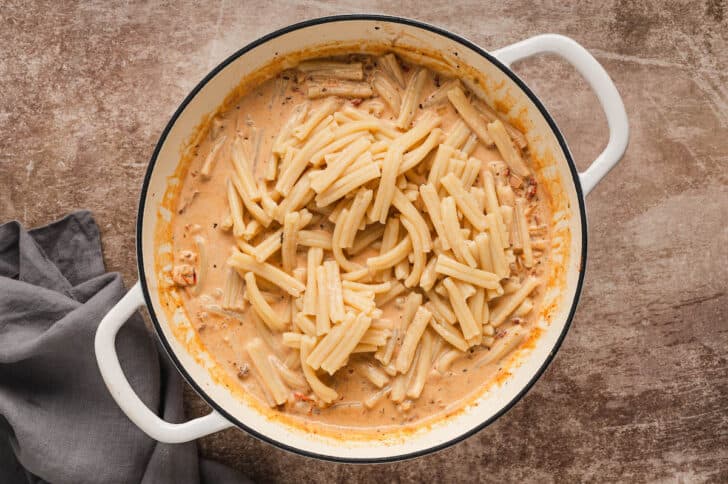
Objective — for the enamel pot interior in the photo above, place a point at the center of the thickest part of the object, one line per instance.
(545, 142)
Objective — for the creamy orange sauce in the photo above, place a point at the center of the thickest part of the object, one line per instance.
(200, 209)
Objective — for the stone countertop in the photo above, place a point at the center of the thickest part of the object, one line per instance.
(638, 391)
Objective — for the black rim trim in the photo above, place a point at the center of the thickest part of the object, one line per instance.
(384, 18)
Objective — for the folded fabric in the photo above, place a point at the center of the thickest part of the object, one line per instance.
(59, 422)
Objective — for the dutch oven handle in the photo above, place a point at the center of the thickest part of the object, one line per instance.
(599, 81)
(125, 395)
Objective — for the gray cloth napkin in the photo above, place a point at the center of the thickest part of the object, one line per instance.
(58, 422)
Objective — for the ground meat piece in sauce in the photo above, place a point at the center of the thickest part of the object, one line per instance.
(184, 275)
(187, 256)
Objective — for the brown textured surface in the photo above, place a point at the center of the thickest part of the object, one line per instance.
(639, 390)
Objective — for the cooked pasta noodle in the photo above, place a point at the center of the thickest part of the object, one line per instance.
(390, 64)
(469, 114)
(212, 157)
(411, 98)
(270, 378)
(261, 306)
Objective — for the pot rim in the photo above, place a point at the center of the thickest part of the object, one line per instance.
(344, 18)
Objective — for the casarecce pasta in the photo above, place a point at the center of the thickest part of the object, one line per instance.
(378, 233)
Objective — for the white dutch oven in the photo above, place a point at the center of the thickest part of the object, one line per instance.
(544, 137)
